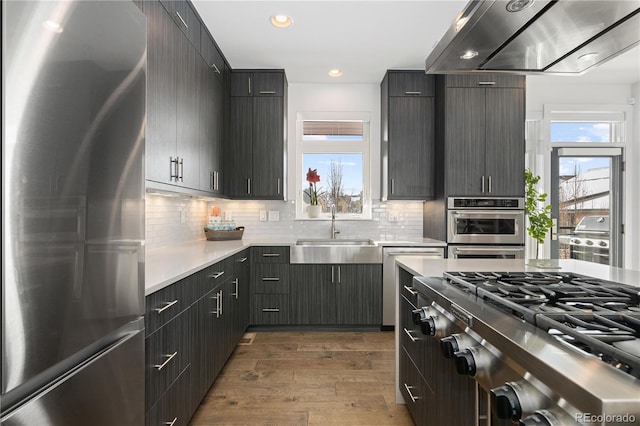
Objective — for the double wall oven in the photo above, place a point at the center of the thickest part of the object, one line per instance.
(484, 227)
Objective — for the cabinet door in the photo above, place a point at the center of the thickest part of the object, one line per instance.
(187, 115)
(268, 147)
(211, 54)
(312, 295)
(411, 148)
(185, 19)
(411, 84)
(241, 311)
(241, 83)
(359, 294)
(163, 39)
(268, 84)
(238, 151)
(464, 141)
(211, 104)
(505, 144)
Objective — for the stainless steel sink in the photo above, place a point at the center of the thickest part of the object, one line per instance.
(335, 242)
(321, 250)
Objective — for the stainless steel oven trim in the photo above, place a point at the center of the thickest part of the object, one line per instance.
(516, 238)
(451, 203)
(519, 251)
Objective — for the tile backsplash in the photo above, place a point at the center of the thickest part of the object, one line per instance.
(175, 220)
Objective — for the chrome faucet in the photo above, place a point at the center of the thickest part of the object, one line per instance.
(333, 222)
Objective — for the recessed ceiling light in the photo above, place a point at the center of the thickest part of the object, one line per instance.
(52, 26)
(335, 72)
(469, 54)
(281, 21)
(591, 56)
(519, 5)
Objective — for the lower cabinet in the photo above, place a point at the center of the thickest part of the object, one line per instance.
(187, 350)
(336, 294)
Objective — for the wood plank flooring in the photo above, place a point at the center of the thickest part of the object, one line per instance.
(307, 378)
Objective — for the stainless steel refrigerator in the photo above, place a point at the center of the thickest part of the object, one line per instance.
(74, 87)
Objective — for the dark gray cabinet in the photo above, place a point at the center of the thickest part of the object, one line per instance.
(172, 139)
(408, 135)
(270, 285)
(185, 19)
(192, 327)
(254, 154)
(484, 141)
(336, 294)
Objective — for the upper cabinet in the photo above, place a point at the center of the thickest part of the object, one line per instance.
(185, 100)
(258, 83)
(255, 151)
(408, 135)
(483, 134)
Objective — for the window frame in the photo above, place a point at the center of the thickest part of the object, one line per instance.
(342, 146)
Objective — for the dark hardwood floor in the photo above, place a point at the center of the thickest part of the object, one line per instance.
(307, 378)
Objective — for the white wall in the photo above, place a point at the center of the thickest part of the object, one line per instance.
(547, 90)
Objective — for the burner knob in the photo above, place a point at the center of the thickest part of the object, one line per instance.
(589, 243)
(436, 326)
(419, 315)
(465, 362)
(543, 418)
(454, 343)
(513, 399)
(602, 243)
(505, 403)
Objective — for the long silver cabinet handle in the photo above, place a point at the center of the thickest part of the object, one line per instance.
(166, 306)
(244, 259)
(339, 279)
(216, 275)
(412, 93)
(235, 282)
(408, 388)
(221, 302)
(249, 186)
(181, 176)
(408, 332)
(267, 92)
(490, 184)
(333, 280)
(249, 80)
(410, 290)
(270, 254)
(270, 279)
(167, 361)
(278, 185)
(482, 183)
(486, 83)
(270, 309)
(393, 186)
(182, 20)
(215, 68)
(173, 168)
(172, 422)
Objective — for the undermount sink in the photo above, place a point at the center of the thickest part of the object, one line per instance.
(335, 242)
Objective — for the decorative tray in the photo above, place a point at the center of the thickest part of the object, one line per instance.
(223, 235)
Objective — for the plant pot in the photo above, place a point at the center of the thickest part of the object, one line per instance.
(314, 210)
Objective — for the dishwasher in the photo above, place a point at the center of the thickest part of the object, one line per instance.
(389, 289)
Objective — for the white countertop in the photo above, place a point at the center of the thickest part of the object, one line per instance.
(165, 266)
(435, 267)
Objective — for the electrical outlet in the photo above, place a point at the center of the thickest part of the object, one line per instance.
(183, 216)
(263, 215)
(228, 216)
(274, 215)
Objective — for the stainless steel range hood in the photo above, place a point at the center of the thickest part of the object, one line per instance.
(536, 36)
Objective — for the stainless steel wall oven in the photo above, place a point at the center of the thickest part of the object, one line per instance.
(485, 221)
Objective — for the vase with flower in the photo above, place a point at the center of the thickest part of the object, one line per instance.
(313, 209)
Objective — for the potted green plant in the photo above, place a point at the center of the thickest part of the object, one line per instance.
(538, 215)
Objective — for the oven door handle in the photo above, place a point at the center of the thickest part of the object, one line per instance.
(495, 213)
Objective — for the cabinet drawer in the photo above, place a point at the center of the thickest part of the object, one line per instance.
(405, 281)
(163, 305)
(268, 84)
(417, 394)
(485, 80)
(407, 83)
(216, 274)
(167, 353)
(271, 309)
(411, 337)
(173, 407)
(270, 254)
(271, 278)
(185, 18)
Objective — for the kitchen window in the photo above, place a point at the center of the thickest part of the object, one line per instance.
(339, 151)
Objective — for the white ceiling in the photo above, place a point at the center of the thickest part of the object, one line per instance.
(363, 38)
